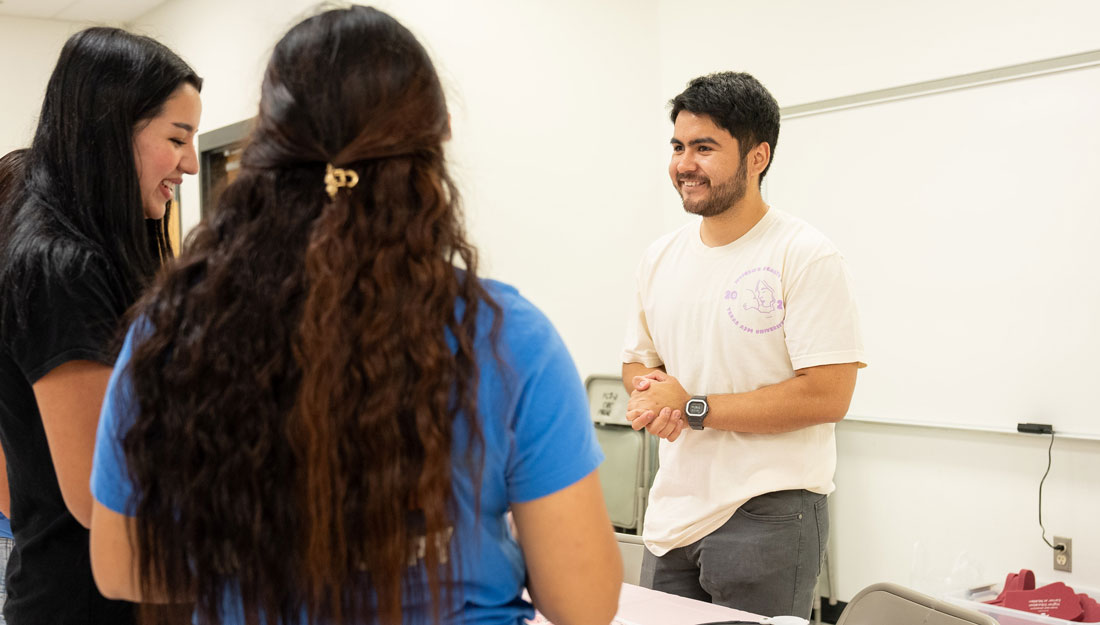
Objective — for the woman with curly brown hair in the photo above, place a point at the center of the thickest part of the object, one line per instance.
(318, 417)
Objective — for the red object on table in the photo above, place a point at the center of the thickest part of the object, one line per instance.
(1056, 600)
(1091, 608)
(1024, 580)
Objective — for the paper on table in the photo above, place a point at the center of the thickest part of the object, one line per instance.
(642, 606)
(542, 620)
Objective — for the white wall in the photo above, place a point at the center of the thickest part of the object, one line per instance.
(28, 52)
(560, 147)
(807, 51)
(912, 501)
(938, 509)
(556, 115)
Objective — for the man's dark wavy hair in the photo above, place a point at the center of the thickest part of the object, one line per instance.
(736, 102)
(306, 357)
(74, 194)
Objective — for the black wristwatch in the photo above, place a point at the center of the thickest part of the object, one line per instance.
(696, 410)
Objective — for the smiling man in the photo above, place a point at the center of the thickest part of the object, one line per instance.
(741, 352)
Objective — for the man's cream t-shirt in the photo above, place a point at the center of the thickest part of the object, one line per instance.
(732, 319)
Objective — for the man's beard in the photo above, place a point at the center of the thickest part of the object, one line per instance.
(721, 197)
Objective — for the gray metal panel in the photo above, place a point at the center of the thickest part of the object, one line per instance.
(952, 83)
(211, 150)
(226, 135)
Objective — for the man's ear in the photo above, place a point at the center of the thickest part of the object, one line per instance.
(759, 157)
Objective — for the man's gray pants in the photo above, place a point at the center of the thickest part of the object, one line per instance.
(764, 560)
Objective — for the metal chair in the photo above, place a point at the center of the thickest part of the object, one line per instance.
(621, 474)
(630, 456)
(891, 604)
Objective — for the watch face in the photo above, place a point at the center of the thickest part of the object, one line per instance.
(695, 408)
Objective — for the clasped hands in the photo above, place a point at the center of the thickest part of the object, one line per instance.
(656, 404)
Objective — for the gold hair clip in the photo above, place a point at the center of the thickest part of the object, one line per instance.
(339, 178)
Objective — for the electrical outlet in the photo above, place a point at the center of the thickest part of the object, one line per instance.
(1063, 559)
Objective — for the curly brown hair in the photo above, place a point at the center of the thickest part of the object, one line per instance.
(307, 356)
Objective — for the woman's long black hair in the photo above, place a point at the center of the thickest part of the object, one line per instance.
(75, 192)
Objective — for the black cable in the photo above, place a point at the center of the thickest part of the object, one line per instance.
(1050, 460)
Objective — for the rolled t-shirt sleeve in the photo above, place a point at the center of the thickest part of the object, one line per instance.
(554, 441)
(822, 321)
(638, 344)
(110, 480)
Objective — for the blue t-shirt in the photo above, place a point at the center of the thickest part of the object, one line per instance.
(5, 529)
(537, 440)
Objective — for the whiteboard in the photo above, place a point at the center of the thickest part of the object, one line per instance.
(971, 222)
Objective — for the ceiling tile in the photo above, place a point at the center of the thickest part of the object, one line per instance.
(113, 11)
(110, 11)
(44, 9)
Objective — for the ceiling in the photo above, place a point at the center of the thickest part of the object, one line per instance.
(110, 11)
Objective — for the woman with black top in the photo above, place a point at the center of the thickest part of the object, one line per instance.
(82, 231)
